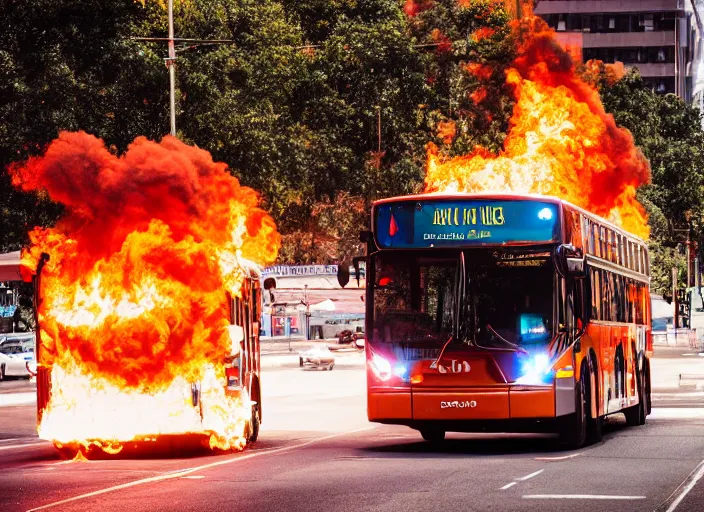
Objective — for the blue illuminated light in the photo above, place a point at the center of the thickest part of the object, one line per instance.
(545, 214)
(536, 370)
(401, 371)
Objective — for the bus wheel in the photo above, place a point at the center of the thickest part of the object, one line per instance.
(595, 426)
(573, 427)
(433, 435)
(254, 425)
(2, 372)
(635, 415)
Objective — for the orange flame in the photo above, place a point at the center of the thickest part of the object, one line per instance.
(561, 141)
(134, 304)
(447, 131)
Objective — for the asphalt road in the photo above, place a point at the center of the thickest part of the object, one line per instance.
(318, 452)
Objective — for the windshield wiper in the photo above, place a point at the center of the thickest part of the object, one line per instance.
(516, 347)
(435, 363)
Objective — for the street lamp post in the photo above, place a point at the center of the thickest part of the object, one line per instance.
(171, 64)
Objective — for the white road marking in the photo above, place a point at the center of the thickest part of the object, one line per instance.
(25, 445)
(2, 441)
(196, 469)
(522, 479)
(683, 489)
(676, 413)
(193, 477)
(9, 399)
(528, 477)
(564, 457)
(580, 497)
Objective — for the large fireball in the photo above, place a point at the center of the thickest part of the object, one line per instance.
(561, 142)
(134, 297)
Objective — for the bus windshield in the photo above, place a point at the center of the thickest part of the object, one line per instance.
(495, 299)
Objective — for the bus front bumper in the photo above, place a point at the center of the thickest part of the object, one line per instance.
(471, 404)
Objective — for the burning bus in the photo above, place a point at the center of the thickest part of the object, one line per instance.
(498, 312)
(148, 297)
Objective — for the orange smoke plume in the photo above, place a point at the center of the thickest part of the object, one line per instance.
(561, 142)
(134, 294)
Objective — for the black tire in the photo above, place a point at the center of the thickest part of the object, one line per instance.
(2, 372)
(300, 362)
(254, 425)
(573, 427)
(433, 435)
(635, 415)
(648, 395)
(332, 365)
(595, 426)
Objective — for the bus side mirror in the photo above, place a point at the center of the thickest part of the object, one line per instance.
(570, 262)
(343, 273)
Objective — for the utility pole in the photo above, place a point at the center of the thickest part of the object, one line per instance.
(171, 65)
(674, 300)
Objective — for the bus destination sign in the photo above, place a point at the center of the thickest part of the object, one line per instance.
(458, 223)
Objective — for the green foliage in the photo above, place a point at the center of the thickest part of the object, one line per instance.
(62, 67)
(314, 99)
(669, 132)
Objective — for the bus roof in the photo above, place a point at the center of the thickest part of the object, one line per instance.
(510, 196)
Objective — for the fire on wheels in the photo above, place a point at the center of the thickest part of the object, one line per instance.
(504, 313)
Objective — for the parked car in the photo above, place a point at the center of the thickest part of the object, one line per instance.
(317, 357)
(17, 359)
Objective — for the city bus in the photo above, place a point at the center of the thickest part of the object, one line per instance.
(504, 313)
(242, 368)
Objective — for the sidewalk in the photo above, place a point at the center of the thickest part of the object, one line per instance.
(671, 363)
(294, 345)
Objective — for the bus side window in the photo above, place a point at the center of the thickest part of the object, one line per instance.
(230, 308)
(596, 294)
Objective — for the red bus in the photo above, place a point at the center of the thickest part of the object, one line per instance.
(504, 313)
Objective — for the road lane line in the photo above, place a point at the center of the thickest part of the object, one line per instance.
(185, 472)
(580, 497)
(565, 457)
(682, 490)
(528, 477)
(25, 445)
(193, 477)
(508, 486)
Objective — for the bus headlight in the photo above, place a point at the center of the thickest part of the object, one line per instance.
(536, 371)
(381, 367)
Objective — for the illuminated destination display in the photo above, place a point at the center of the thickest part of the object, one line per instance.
(458, 223)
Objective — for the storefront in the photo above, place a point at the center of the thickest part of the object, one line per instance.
(9, 293)
(308, 302)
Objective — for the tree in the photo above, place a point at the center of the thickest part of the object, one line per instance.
(64, 68)
(670, 134)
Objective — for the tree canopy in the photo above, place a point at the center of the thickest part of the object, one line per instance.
(321, 105)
